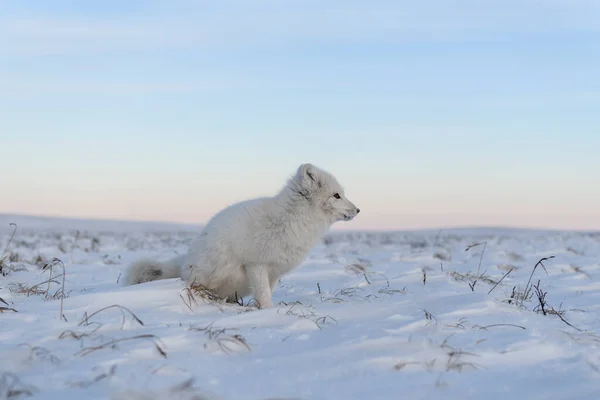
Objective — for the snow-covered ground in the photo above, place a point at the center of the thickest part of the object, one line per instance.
(367, 316)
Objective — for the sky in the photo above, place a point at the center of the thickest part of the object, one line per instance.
(430, 114)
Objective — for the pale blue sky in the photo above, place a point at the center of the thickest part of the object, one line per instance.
(431, 113)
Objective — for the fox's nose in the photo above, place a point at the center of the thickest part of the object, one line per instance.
(357, 210)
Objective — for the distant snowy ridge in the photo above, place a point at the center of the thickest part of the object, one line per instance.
(42, 223)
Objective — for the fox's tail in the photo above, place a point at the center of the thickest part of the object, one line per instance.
(146, 270)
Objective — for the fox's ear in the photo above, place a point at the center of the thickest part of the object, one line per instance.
(307, 174)
(308, 171)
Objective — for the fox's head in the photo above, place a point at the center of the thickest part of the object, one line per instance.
(324, 192)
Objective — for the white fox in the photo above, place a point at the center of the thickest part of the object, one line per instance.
(245, 248)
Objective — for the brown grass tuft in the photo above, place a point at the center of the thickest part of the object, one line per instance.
(223, 340)
(3, 259)
(86, 318)
(113, 345)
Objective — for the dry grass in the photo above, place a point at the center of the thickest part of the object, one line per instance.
(205, 293)
(359, 268)
(454, 360)
(497, 283)
(442, 255)
(79, 335)
(113, 345)
(44, 292)
(60, 294)
(389, 291)
(302, 311)
(579, 270)
(528, 288)
(7, 308)
(472, 279)
(225, 342)
(342, 295)
(100, 377)
(517, 297)
(12, 388)
(430, 317)
(460, 324)
(41, 354)
(544, 308)
(4, 267)
(400, 366)
(486, 327)
(22, 288)
(479, 275)
(39, 261)
(86, 318)
(520, 297)
(193, 292)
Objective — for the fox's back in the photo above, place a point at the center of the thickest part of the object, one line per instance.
(257, 231)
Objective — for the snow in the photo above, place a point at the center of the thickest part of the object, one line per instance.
(357, 320)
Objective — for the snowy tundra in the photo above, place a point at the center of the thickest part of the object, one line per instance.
(367, 315)
(248, 246)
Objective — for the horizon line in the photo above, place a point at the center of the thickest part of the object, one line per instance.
(335, 227)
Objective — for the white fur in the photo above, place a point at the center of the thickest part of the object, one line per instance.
(245, 248)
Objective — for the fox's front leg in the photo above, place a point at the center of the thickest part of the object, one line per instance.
(258, 280)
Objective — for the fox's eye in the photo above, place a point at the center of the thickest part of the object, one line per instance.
(337, 196)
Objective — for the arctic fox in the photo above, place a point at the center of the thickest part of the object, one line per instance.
(245, 248)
